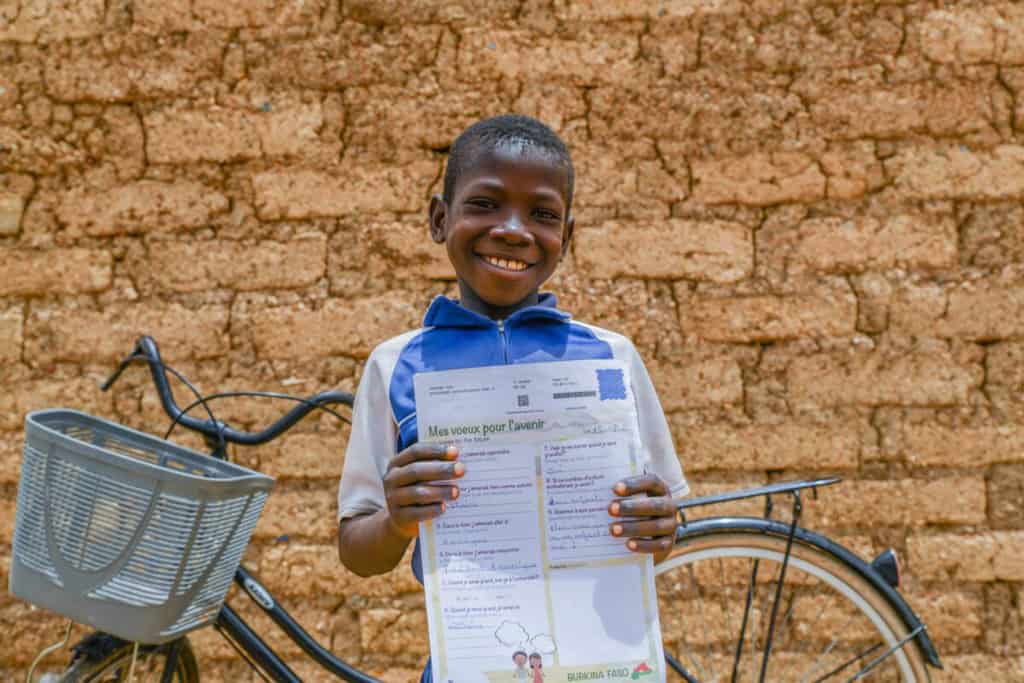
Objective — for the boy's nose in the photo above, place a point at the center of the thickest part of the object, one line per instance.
(512, 231)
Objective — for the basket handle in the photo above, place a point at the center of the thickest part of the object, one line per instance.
(76, 579)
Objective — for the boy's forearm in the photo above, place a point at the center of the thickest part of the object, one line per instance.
(369, 544)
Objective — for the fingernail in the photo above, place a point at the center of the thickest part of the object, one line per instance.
(443, 507)
(615, 508)
(620, 488)
(616, 529)
(458, 469)
(455, 493)
(451, 451)
(631, 545)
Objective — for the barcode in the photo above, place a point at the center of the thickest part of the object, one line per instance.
(574, 394)
(523, 400)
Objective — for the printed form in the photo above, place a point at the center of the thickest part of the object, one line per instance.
(523, 579)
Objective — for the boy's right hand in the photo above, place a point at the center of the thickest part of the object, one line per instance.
(414, 488)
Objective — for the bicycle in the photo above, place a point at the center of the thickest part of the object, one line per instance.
(717, 564)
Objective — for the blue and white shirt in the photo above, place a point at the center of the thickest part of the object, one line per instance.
(454, 337)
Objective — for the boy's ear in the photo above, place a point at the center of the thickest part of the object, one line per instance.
(570, 225)
(438, 219)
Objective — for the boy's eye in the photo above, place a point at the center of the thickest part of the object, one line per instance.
(547, 215)
(482, 202)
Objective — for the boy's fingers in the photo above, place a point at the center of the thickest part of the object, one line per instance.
(424, 470)
(423, 495)
(652, 527)
(653, 545)
(662, 506)
(413, 514)
(651, 484)
(424, 451)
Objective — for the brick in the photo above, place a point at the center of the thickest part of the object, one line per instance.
(935, 445)
(77, 393)
(140, 207)
(378, 12)
(585, 60)
(613, 10)
(951, 557)
(878, 378)
(161, 69)
(301, 510)
(182, 137)
(974, 35)
(385, 249)
(162, 16)
(981, 310)
(852, 170)
(1008, 563)
(108, 335)
(909, 503)
(299, 194)
(878, 111)
(950, 172)
(348, 327)
(199, 265)
(768, 447)
(758, 179)
(1006, 497)
(829, 312)
(982, 668)
(255, 13)
(11, 209)
(57, 271)
(718, 251)
(352, 55)
(951, 615)
(304, 456)
(46, 21)
(12, 322)
(10, 458)
(836, 245)
(695, 383)
(290, 128)
(391, 631)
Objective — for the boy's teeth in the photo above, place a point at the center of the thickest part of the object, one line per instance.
(506, 263)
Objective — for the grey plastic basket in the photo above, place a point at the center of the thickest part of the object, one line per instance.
(131, 534)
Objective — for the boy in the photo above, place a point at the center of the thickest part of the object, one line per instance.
(505, 218)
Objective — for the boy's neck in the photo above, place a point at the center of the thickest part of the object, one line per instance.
(469, 299)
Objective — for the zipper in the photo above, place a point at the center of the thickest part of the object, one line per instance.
(504, 339)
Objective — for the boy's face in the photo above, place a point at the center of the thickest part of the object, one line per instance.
(507, 227)
(520, 659)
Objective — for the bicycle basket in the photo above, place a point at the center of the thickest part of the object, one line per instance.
(131, 534)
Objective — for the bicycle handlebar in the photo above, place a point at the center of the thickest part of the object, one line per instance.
(146, 348)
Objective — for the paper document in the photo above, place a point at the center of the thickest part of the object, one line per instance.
(524, 581)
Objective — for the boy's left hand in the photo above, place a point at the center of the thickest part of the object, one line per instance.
(652, 524)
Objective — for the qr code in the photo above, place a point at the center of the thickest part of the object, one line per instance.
(523, 400)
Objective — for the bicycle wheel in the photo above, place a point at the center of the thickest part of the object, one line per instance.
(716, 591)
(104, 659)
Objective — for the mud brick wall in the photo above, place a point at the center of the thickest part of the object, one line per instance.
(808, 215)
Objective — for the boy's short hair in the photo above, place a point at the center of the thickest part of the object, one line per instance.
(501, 130)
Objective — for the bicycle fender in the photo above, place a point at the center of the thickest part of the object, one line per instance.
(703, 527)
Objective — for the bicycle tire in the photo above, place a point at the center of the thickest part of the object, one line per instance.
(107, 659)
(710, 570)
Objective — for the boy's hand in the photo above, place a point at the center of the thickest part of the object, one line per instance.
(653, 529)
(413, 488)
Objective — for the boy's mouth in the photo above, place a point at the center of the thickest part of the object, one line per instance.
(505, 263)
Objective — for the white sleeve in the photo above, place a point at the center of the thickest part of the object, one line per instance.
(655, 438)
(371, 445)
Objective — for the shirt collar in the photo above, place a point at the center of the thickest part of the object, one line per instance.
(445, 312)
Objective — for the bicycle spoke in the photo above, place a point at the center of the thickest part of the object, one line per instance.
(678, 668)
(828, 650)
(857, 657)
(743, 624)
(703, 619)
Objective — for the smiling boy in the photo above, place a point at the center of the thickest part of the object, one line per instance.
(505, 218)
